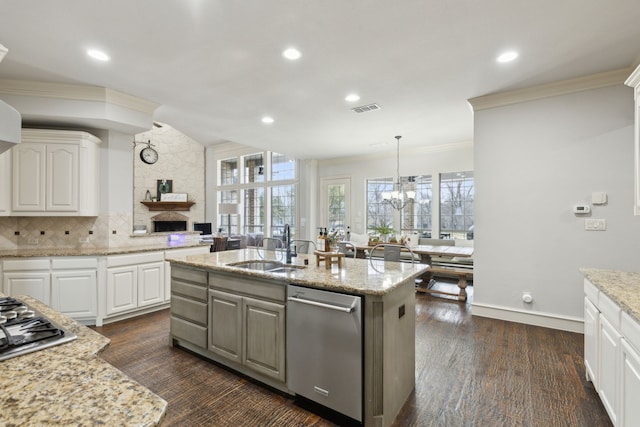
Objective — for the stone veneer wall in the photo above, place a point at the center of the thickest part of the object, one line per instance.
(182, 160)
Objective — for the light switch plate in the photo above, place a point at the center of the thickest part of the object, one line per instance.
(595, 224)
(599, 198)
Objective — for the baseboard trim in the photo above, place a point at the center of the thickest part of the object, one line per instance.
(547, 320)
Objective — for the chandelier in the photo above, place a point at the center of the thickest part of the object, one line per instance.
(398, 197)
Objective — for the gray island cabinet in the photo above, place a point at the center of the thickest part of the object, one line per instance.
(237, 317)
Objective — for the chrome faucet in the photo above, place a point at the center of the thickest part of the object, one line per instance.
(287, 242)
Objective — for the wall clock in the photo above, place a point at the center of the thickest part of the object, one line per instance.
(148, 155)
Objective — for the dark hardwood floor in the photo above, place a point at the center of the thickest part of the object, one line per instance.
(470, 371)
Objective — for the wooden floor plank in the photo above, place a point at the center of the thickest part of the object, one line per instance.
(470, 371)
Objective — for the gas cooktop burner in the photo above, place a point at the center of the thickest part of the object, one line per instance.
(24, 330)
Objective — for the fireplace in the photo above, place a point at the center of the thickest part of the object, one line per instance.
(169, 221)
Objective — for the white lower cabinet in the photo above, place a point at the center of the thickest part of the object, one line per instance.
(612, 356)
(74, 287)
(28, 276)
(630, 387)
(608, 355)
(248, 331)
(134, 281)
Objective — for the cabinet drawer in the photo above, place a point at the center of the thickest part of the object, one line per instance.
(73, 263)
(188, 289)
(187, 331)
(25, 264)
(609, 309)
(252, 287)
(189, 275)
(189, 309)
(591, 291)
(134, 259)
(631, 330)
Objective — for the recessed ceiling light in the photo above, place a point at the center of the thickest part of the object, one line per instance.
(267, 120)
(352, 97)
(507, 56)
(98, 54)
(292, 53)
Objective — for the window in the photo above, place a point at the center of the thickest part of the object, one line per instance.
(417, 216)
(282, 167)
(456, 205)
(253, 168)
(254, 210)
(378, 211)
(229, 196)
(283, 209)
(265, 192)
(228, 172)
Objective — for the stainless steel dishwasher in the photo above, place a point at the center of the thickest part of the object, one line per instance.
(324, 348)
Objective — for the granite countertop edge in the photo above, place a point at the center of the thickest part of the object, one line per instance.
(69, 384)
(354, 277)
(623, 287)
(118, 250)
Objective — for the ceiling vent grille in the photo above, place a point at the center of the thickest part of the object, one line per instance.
(366, 108)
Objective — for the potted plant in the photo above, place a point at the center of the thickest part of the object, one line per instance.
(383, 229)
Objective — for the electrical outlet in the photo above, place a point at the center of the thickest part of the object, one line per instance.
(83, 240)
(595, 224)
(32, 241)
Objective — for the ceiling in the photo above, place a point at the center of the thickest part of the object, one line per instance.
(216, 68)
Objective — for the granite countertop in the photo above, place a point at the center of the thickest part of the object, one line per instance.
(621, 286)
(358, 276)
(69, 385)
(50, 252)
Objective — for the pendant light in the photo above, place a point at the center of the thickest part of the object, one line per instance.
(398, 197)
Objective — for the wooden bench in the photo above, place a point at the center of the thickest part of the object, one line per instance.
(460, 273)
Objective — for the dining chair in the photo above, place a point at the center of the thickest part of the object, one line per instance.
(303, 246)
(347, 248)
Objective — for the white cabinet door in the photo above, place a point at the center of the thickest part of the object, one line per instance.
(591, 324)
(5, 183)
(74, 293)
(34, 284)
(151, 284)
(608, 363)
(29, 175)
(630, 387)
(62, 177)
(122, 289)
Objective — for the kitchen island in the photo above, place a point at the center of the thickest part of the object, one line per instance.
(70, 385)
(388, 299)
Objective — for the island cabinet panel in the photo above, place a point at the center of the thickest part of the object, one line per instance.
(264, 326)
(630, 377)
(189, 315)
(225, 325)
(247, 323)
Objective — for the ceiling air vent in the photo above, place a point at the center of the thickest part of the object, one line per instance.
(365, 108)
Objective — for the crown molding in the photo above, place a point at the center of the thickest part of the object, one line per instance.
(634, 78)
(562, 87)
(71, 92)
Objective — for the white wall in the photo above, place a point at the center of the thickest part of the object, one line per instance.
(533, 162)
(417, 161)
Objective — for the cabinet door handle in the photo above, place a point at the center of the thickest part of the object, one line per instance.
(324, 305)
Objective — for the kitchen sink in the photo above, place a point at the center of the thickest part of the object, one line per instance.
(267, 266)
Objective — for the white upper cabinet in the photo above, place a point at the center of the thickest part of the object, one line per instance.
(55, 173)
(5, 183)
(634, 82)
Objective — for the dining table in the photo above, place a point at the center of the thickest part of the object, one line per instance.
(425, 252)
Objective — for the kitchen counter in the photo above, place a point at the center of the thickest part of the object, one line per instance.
(621, 286)
(50, 252)
(70, 385)
(356, 275)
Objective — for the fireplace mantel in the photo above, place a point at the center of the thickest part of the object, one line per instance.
(168, 206)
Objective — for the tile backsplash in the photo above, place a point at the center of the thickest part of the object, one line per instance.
(104, 231)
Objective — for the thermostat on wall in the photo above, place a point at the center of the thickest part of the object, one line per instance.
(581, 209)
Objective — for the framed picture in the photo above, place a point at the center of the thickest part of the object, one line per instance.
(164, 186)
